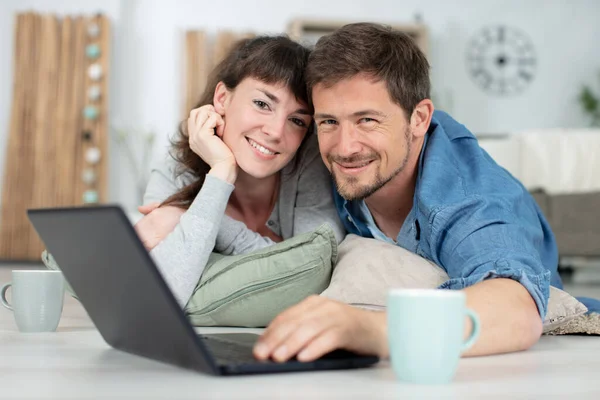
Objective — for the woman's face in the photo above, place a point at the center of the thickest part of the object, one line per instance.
(264, 125)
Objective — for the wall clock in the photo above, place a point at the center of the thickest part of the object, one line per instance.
(501, 60)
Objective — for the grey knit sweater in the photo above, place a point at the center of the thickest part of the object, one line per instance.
(305, 202)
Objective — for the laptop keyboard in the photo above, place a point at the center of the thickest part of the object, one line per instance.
(236, 349)
(229, 351)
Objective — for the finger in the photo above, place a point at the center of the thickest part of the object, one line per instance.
(319, 322)
(192, 118)
(208, 129)
(282, 326)
(329, 340)
(200, 119)
(304, 306)
(195, 129)
(145, 210)
(293, 313)
(148, 208)
(196, 119)
(205, 108)
(274, 338)
(194, 112)
(361, 331)
(220, 128)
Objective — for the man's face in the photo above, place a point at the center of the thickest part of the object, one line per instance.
(364, 137)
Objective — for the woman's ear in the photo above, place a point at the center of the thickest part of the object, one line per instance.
(221, 98)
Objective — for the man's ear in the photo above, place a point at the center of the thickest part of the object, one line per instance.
(421, 117)
(221, 98)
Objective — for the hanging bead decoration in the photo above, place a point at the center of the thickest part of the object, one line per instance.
(88, 176)
(93, 30)
(90, 197)
(92, 51)
(94, 93)
(93, 155)
(95, 72)
(92, 112)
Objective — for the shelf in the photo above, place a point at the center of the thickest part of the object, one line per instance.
(308, 31)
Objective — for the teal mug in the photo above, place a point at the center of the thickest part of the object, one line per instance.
(37, 299)
(425, 333)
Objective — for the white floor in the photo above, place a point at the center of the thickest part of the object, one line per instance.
(75, 363)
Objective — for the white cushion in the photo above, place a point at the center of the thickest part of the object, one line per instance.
(367, 268)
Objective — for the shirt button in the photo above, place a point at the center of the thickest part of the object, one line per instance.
(349, 218)
(270, 223)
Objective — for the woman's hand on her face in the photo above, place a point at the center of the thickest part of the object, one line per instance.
(205, 130)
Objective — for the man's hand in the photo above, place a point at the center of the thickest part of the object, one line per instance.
(157, 223)
(319, 325)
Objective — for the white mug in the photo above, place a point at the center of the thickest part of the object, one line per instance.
(37, 299)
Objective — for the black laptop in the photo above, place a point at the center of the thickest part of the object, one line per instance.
(124, 294)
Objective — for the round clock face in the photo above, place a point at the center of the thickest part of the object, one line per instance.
(501, 60)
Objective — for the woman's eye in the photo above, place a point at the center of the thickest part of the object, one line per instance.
(298, 122)
(261, 104)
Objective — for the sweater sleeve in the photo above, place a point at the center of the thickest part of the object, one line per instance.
(181, 256)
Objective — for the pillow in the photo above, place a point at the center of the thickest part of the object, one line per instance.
(50, 263)
(367, 268)
(249, 290)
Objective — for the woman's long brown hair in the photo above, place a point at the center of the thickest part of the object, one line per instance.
(271, 59)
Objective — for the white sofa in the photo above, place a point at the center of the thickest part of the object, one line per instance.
(561, 168)
(558, 161)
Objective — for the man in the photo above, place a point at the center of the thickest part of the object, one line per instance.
(416, 178)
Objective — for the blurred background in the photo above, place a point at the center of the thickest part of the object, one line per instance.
(524, 76)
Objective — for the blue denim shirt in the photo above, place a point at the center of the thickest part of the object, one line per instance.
(469, 216)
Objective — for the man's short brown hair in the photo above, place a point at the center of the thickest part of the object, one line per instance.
(365, 48)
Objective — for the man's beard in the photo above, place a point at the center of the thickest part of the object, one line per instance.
(349, 188)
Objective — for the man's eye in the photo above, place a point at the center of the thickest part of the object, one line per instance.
(329, 122)
(367, 120)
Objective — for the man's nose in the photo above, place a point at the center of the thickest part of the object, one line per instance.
(348, 142)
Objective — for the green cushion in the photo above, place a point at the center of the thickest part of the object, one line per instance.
(249, 290)
(50, 263)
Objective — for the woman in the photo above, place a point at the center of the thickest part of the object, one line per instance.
(246, 173)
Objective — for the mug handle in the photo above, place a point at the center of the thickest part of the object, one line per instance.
(3, 296)
(474, 330)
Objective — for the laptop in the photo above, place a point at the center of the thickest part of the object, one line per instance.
(123, 292)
